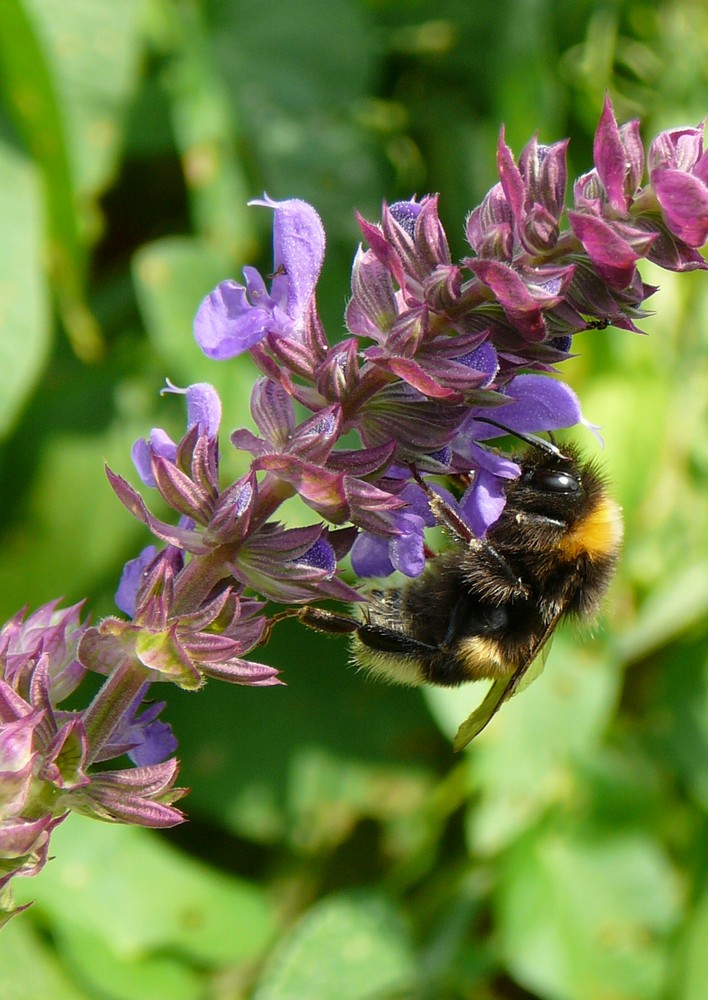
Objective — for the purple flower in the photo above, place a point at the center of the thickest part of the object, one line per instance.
(379, 555)
(678, 172)
(132, 579)
(203, 415)
(46, 753)
(48, 632)
(142, 736)
(234, 318)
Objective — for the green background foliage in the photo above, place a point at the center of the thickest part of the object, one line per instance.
(336, 847)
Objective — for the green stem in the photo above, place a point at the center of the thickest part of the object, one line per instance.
(107, 710)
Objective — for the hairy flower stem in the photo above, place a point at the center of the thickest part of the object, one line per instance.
(108, 709)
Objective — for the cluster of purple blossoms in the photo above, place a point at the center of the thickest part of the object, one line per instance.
(435, 349)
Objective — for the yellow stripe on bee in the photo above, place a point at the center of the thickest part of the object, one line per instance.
(482, 657)
(392, 667)
(597, 534)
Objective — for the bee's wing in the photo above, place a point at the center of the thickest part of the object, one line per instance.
(504, 688)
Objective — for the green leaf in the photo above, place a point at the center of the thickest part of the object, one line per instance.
(523, 762)
(303, 763)
(171, 278)
(25, 328)
(93, 55)
(676, 605)
(676, 726)
(125, 976)
(141, 896)
(344, 948)
(586, 917)
(694, 972)
(31, 970)
(73, 526)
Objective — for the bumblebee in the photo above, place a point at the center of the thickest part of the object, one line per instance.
(486, 607)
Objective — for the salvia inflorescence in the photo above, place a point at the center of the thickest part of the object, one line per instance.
(434, 350)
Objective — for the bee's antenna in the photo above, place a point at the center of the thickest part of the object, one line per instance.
(549, 447)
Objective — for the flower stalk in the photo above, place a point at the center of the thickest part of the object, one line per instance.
(437, 353)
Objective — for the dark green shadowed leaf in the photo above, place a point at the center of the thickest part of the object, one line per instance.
(303, 763)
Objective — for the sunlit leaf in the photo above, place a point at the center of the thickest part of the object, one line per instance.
(587, 916)
(344, 948)
(141, 896)
(25, 324)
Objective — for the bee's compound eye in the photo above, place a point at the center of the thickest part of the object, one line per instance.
(554, 482)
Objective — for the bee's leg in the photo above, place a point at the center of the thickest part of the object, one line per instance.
(443, 513)
(326, 621)
(380, 637)
(389, 640)
(517, 585)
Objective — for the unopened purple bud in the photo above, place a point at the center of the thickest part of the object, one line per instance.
(203, 407)
(132, 578)
(158, 443)
(619, 158)
(405, 213)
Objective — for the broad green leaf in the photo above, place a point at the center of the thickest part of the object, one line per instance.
(93, 55)
(694, 972)
(25, 329)
(30, 90)
(524, 760)
(31, 969)
(344, 948)
(141, 896)
(124, 976)
(584, 916)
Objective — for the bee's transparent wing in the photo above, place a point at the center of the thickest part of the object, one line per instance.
(501, 690)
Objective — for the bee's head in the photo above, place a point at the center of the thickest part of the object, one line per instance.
(554, 482)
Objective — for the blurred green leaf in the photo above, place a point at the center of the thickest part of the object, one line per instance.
(50, 89)
(523, 762)
(124, 976)
(587, 917)
(676, 605)
(526, 761)
(171, 277)
(344, 948)
(694, 973)
(25, 328)
(675, 723)
(303, 763)
(73, 525)
(93, 54)
(141, 896)
(31, 970)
